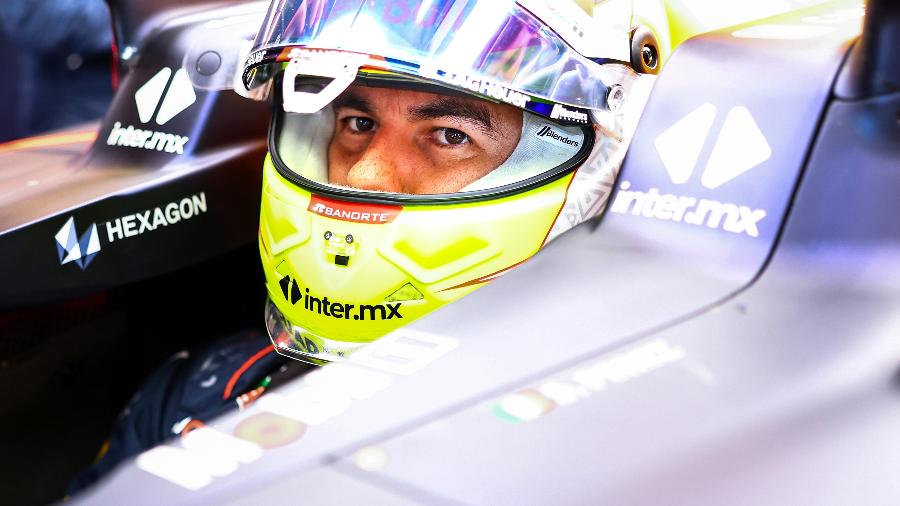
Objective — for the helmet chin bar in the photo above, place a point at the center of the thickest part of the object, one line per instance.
(340, 67)
(295, 342)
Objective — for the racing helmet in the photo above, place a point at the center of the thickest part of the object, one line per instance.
(418, 150)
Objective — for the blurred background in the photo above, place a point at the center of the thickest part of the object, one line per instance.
(58, 56)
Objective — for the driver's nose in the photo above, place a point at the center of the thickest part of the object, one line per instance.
(377, 169)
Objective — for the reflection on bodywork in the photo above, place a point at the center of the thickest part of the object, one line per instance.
(533, 403)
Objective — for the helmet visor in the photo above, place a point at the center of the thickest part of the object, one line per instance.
(419, 144)
(494, 48)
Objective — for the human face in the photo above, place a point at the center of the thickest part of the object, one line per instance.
(404, 141)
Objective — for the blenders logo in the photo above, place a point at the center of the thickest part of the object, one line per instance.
(82, 250)
(547, 131)
(179, 95)
(72, 248)
(334, 309)
(561, 112)
(739, 147)
(351, 211)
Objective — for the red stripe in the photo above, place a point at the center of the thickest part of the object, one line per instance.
(49, 140)
(486, 277)
(243, 368)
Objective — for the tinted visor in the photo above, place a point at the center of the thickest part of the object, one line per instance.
(494, 48)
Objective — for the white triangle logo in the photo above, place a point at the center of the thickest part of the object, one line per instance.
(67, 239)
(179, 97)
(147, 96)
(93, 242)
(680, 145)
(64, 236)
(74, 254)
(740, 147)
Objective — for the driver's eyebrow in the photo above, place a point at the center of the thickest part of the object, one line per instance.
(453, 107)
(353, 101)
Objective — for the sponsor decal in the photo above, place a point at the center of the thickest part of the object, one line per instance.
(478, 85)
(547, 131)
(561, 112)
(146, 139)
(739, 147)
(353, 211)
(82, 250)
(269, 430)
(729, 217)
(206, 453)
(72, 248)
(152, 219)
(533, 403)
(334, 309)
(351, 59)
(166, 96)
(255, 58)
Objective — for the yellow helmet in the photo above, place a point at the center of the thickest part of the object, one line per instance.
(417, 153)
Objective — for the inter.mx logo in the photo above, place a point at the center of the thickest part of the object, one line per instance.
(739, 147)
(166, 96)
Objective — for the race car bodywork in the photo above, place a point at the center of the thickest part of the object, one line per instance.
(725, 334)
(168, 178)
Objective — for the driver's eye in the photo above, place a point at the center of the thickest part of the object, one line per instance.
(453, 136)
(361, 124)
